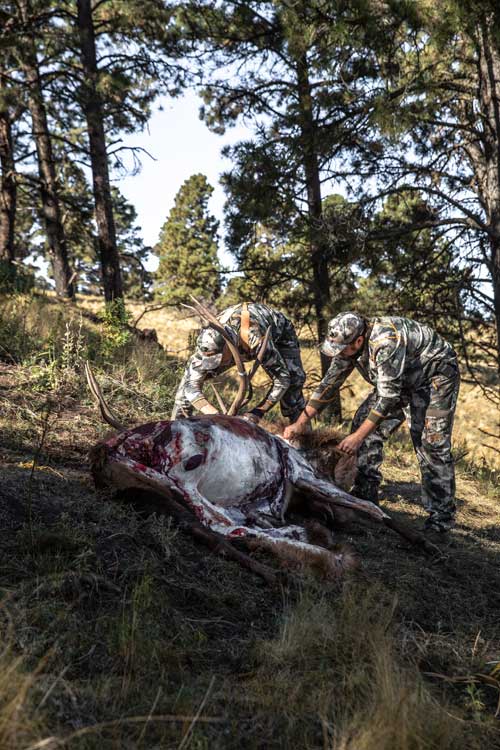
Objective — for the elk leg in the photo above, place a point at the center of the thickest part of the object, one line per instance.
(414, 537)
(125, 477)
(320, 489)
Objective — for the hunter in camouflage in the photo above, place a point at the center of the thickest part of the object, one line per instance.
(415, 374)
(246, 325)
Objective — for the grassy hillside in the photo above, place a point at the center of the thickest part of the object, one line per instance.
(118, 631)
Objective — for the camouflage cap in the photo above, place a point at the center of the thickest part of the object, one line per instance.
(342, 331)
(210, 341)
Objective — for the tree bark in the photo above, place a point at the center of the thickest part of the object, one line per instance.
(489, 171)
(317, 241)
(495, 273)
(8, 189)
(49, 189)
(93, 111)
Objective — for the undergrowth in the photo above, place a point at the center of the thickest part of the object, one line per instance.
(51, 344)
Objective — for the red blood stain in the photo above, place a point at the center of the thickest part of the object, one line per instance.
(238, 532)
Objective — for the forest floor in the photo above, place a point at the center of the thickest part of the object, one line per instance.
(118, 631)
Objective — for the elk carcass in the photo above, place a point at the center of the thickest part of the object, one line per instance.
(236, 478)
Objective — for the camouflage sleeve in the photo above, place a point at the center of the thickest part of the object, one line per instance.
(274, 365)
(194, 380)
(340, 368)
(389, 359)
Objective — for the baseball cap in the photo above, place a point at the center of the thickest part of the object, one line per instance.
(342, 331)
(210, 341)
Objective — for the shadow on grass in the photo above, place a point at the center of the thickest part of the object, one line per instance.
(136, 612)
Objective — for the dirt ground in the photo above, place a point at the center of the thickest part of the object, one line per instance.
(121, 615)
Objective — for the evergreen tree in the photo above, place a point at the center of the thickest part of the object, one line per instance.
(129, 54)
(187, 246)
(304, 76)
(443, 140)
(33, 18)
(91, 72)
(133, 253)
(274, 270)
(409, 267)
(8, 182)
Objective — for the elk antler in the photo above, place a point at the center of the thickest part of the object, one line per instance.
(95, 389)
(221, 403)
(205, 313)
(255, 366)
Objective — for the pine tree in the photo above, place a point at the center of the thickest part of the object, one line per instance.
(32, 16)
(88, 73)
(305, 80)
(443, 140)
(409, 268)
(305, 76)
(187, 246)
(93, 109)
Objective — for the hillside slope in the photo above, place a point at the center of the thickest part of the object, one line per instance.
(118, 631)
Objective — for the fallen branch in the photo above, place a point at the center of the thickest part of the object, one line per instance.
(491, 447)
(151, 308)
(489, 434)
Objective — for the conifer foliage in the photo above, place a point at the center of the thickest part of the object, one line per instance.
(187, 246)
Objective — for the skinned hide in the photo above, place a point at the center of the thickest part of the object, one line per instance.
(236, 478)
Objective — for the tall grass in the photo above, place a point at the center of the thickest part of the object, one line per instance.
(51, 342)
(338, 659)
(20, 721)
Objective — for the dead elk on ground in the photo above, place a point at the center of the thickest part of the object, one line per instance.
(226, 479)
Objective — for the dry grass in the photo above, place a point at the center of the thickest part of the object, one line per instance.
(20, 721)
(137, 620)
(338, 660)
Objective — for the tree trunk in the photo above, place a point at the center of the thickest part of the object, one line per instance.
(317, 241)
(8, 190)
(495, 274)
(93, 110)
(46, 166)
(489, 185)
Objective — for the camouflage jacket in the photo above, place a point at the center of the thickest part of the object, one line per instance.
(399, 355)
(282, 337)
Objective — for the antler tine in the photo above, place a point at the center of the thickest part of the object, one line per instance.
(95, 389)
(204, 312)
(222, 405)
(255, 366)
(260, 354)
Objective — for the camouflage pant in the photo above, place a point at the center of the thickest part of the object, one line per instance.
(429, 412)
(293, 402)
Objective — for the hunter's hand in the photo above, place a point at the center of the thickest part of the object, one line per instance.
(350, 445)
(293, 430)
